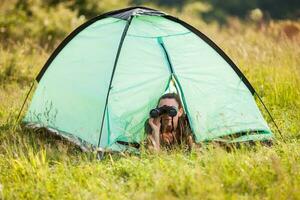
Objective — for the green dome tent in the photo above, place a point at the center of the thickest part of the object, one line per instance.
(99, 84)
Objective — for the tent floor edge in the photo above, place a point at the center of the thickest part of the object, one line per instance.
(80, 143)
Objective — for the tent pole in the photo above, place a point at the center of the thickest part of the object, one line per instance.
(113, 72)
(269, 115)
(22, 107)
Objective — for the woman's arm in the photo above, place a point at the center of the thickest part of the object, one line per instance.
(153, 137)
(191, 143)
(153, 143)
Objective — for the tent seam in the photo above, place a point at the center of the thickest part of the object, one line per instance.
(162, 36)
(113, 72)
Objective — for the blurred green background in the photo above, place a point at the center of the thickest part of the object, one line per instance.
(45, 21)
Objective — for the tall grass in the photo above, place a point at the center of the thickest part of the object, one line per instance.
(35, 166)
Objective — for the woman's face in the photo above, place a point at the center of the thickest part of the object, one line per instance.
(166, 119)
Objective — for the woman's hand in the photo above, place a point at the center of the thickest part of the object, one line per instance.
(155, 125)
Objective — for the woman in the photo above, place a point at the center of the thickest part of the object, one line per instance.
(162, 132)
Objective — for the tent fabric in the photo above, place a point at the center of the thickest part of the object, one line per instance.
(101, 82)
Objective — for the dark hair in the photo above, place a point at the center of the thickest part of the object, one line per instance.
(171, 96)
(183, 127)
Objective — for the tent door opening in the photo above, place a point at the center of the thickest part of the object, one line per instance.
(174, 81)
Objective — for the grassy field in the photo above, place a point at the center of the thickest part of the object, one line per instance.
(37, 167)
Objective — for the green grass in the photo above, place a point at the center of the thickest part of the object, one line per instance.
(33, 166)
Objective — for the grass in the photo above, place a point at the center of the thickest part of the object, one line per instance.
(33, 166)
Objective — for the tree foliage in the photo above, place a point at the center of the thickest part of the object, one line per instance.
(220, 10)
(276, 9)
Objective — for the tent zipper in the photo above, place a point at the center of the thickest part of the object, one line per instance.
(161, 43)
